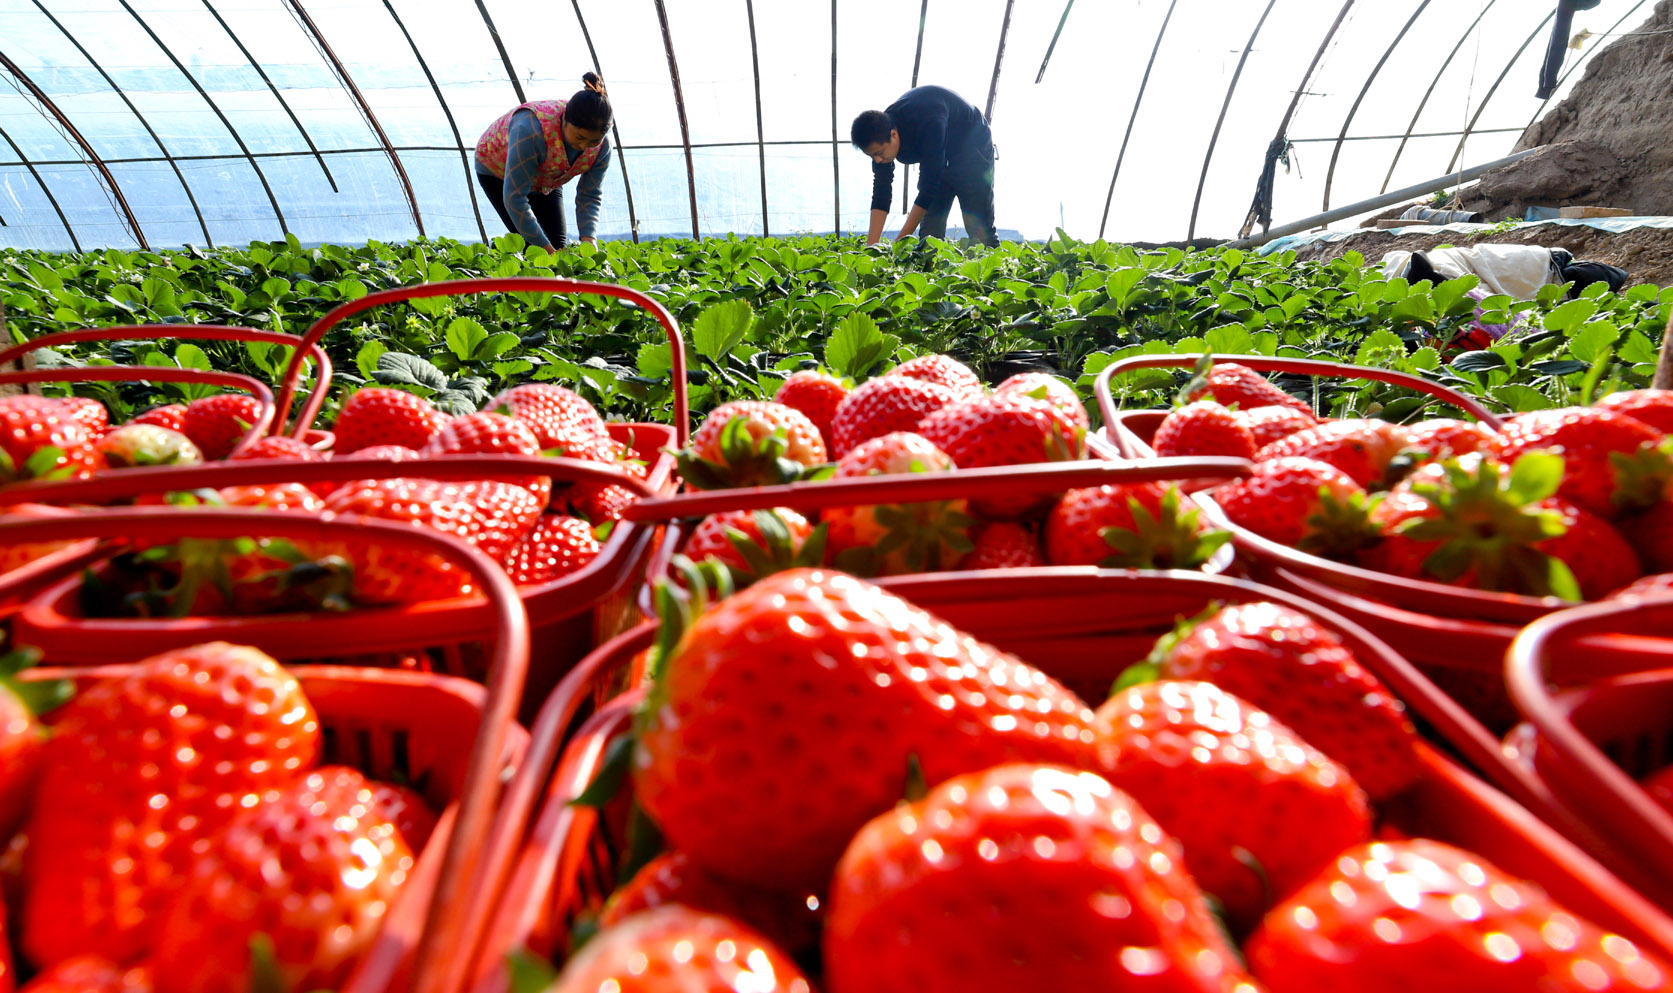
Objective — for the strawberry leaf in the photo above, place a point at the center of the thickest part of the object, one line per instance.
(46, 462)
(1136, 674)
(529, 973)
(1534, 477)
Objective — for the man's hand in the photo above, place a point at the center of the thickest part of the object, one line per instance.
(913, 217)
(878, 219)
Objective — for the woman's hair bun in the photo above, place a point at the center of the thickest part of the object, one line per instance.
(593, 82)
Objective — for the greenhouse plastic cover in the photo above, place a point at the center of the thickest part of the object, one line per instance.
(217, 122)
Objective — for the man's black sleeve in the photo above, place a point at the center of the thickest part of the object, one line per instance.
(931, 195)
(882, 186)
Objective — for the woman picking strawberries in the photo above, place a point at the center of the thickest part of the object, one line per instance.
(524, 159)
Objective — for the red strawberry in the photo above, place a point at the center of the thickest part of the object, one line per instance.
(22, 742)
(380, 416)
(1653, 407)
(1397, 916)
(883, 406)
(1042, 386)
(845, 684)
(89, 412)
(1303, 503)
(382, 453)
(1652, 535)
(1283, 662)
(943, 370)
(1586, 438)
(1446, 438)
(775, 540)
(1258, 810)
(17, 556)
(280, 447)
(135, 444)
(39, 438)
(491, 515)
(1001, 430)
(91, 974)
(8, 971)
(1234, 384)
(1658, 584)
(1203, 428)
(751, 443)
(169, 415)
(1003, 545)
(1267, 424)
(487, 433)
(603, 502)
(784, 918)
(557, 546)
(1360, 448)
(315, 868)
(675, 948)
(1601, 557)
(217, 423)
(404, 808)
(274, 496)
(895, 539)
(817, 395)
(554, 414)
(139, 772)
(1022, 877)
(1130, 526)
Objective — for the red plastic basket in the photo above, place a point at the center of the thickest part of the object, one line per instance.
(462, 734)
(550, 861)
(1595, 684)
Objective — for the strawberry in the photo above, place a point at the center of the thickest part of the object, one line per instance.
(883, 406)
(1267, 424)
(1652, 535)
(1203, 428)
(671, 878)
(1258, 810)
(1653, 407)
(1233, 384)
(91, 974)
(557, 546)
(755, 543)
(1659, 785)
(600, 502)
(1397, 916)
(1446, 438)
(375, 453)
(89, 412)
(675, 949)
(554, 414)
(1283, 662)
(314, 868)
(39, 439)
(406, 809)
(1362, 449)
(135, 444)
(491, 515)
(169, 415)
(845, 684)
(278, 446)
(1022, 877)
(22, 739)
(217, 423)
(17, 556)
(1586, 438)
(751, 443)
(489, 433)
(1128, 526)
(141, 769)
(380, 416)
(1013, 429)
(1303, 503)
(817, 395)
(896, 539)
(943, 370)
(1003, 545)
(8, 971)
(1658, 584)
(1042, 386)
(289, 497)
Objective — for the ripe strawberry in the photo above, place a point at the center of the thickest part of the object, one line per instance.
(22, 740)
(1231, 383)
(943, 370)
(675, 949)
(89, 412)
(845, 683)
(491, 515)
(1012, 429)
(1659, 785)
(289, 497)
(817, 395)
(8, 971)
(280, 447)
(1258, 810)
(217, 423)
(1422, 915)
(169, 415)
(315, 868)
(751, 443)
(1653, 407)
(883, 406)
(380, 416)
(554, 414)
(1267, 424)
(406, 809)
(1042, 386)
(1203, 428)
(895, 539)
(557, 546)
(1003, 545)
(1446, 438)
(754, 543)
(1586, 438)
(140, 771)
(1360, 448)
(487, 433)
(603, 502)
(136, 444)
(1655, 585)
(1128, 526)
(1652, 535)
(91, 974)
(1283, 662)
(1303, 503)
(39, 439)
(17, 556)
(671, 878)
(1022, 877)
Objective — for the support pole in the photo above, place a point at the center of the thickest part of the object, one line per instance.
(1214, 139)
(998, 61)
(760, 129)
(1144, 84)
(679, 105)
(615, 130)
(836, 145)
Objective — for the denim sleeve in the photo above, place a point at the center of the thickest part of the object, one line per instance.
(589, 192)
(882, 186)
(526, 150)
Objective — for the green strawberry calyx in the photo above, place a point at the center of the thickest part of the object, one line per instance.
(1339, 527)
(1198, 381)
(780, 551)
(744, 460)
(45, 462)
(1642, 478)
(40, 696)
(1151, 669)
(1170, 539)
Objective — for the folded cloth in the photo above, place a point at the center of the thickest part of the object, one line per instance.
(1514, 270)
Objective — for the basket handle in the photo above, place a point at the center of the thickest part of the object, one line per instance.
(1308, 367)
(508, 668)
(160, 374)
(510, 284)
(209, 332)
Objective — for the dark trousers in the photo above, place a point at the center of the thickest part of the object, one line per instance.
(969, 179)
(547, 207)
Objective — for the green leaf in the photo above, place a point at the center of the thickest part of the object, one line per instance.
(1570, 315)
(721, 327)
(399, 369)
(464, 337)
(1591, 341)
(1521, 399)
(367, 358)
(1229, 339)
(857, 345)
(497, 345)
(655, 360)
(190, 356)
(1479, 361)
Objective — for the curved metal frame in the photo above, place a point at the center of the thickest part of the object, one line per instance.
(999, 60)
(1336, 152)
(917, 61)
(1456, 48)
(1214, 139)
(365, 108)
(836, 149)
(1577, 64)
(505, 58)
(1482, 107)
(24, 159)
(760, 127)
(93, 158)
(679, 105)
(1053, 46)
(621, 153)
(1144, 84)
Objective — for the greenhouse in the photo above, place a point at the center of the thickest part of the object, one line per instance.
(754, 496)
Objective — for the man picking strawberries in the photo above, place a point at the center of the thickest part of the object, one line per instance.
(947, 135)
